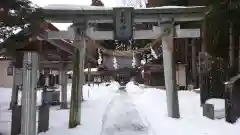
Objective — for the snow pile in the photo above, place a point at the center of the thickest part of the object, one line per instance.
(122, 117)
(152, 106)
(219, 104)
(219, 107)
(132, 88)
(114, 86)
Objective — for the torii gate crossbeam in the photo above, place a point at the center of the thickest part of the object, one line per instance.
(68, 13)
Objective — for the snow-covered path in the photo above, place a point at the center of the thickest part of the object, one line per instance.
(122, 118)
(144, 108)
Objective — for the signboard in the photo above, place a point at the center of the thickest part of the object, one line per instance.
(123, 20)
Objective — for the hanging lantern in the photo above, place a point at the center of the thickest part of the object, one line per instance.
(10, 69)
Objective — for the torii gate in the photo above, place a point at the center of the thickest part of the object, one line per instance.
(124, 18)
(84, 18)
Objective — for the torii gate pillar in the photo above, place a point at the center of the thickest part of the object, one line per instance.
(168, 28)
(78, 72)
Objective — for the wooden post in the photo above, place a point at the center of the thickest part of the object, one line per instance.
(170, 69)
(186, 61)
(63, 79)
(73, 122)
(78, 73)
(239, 54)
(194, 63)
(203, 35)
(89, 73)
(231, 45)
(82, 51)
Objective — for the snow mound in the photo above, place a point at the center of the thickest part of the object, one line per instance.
(132, 88)
(114, 86)
(121, 117)
(152, 104)
(218, 104)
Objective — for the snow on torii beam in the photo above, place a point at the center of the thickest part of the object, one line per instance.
(71, 13)
(67, 13)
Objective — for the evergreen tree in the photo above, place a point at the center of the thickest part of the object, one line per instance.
(16, 15)
(97, 3)
(222, 18)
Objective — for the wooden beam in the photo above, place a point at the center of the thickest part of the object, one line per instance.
(155, 33)
(67, 13)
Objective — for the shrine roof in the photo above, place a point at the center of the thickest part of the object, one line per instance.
(84, 7)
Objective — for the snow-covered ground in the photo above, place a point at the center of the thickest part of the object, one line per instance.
(140, 111)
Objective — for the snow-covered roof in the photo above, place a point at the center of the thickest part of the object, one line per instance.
(75, 7)
(85, 70)
(84, 7)
(172, 7)
(91, 69)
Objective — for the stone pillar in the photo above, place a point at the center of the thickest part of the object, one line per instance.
(17, 78)
(17, 85)
(169, 68)
(63, 79)
(30, 67)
